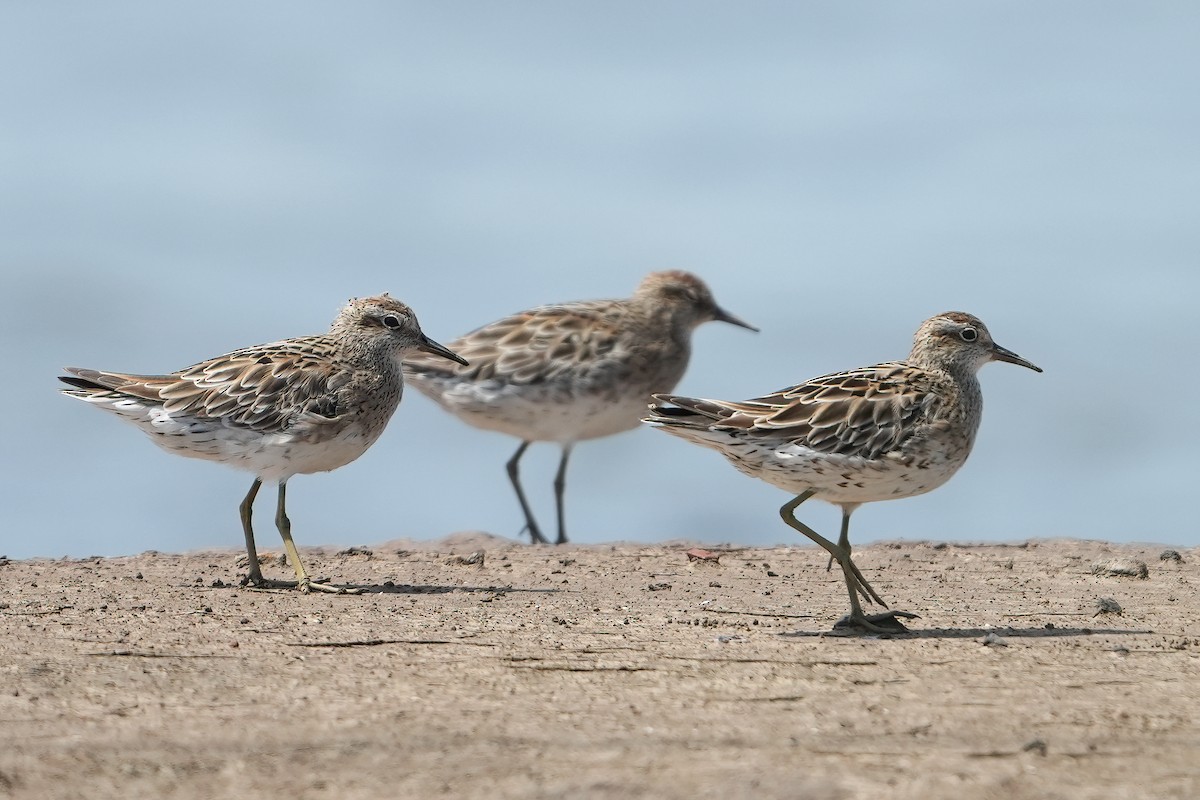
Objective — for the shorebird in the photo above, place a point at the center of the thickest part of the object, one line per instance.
(575, 371)
(897, 429)
(293, 407)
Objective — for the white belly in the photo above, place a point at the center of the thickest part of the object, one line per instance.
(543, 414)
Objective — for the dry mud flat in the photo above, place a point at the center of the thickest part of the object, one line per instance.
(622, 671)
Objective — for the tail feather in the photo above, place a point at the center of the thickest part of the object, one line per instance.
(81, 383)
(84, 383)
(690, 412)
(91, 381)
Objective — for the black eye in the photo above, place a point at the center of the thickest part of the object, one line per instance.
(391, 321)
(969, 334)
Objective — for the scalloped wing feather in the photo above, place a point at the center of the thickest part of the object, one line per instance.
(533, 346)
(865, 412)
(267, 389)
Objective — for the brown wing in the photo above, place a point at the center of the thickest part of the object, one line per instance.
(267, 388)
(533, 346)
(864, 412)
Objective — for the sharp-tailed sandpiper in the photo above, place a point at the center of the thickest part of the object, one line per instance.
(575, 371)
(310, 404)
(892, 430)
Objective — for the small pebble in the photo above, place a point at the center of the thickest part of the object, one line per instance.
(1107, 605)
(1036, 746)
(474, 559)
(1122, 567)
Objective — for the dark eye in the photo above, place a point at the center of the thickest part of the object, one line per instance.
(391, 321)
(969, 334)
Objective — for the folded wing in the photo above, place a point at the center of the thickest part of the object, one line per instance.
(865, 412)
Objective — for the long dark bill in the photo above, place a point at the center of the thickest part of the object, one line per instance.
(430, 346)
(721, 315)
(1004, 354)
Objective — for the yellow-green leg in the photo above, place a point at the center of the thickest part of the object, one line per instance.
(856, 584)
(255, 578)
(303, 582)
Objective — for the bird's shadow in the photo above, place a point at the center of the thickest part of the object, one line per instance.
(355, 589)
(406, 588)
(970, 633)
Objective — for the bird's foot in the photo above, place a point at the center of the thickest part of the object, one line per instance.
(305, 586)
(874, 623)
(310, 585)
(535, 533)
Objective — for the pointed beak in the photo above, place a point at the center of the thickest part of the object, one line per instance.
(1003, 354)
(721, 315)
(430, 346)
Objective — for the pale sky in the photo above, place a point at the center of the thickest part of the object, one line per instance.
(177, 181)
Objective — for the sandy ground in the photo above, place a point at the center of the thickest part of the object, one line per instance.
(621, 671)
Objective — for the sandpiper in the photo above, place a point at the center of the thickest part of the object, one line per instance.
(893, 430)
(297, 406)
(575, 371)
